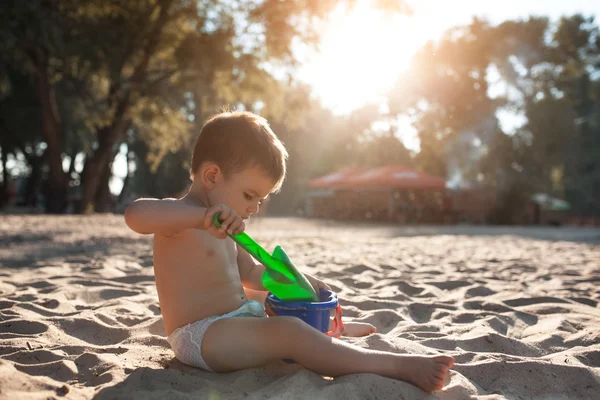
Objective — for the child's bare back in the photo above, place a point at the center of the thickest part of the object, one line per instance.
(201, 274)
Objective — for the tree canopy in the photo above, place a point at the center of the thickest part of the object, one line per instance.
(82, 81)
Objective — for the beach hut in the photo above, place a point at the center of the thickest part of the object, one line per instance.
(320, 201)
(390, 193)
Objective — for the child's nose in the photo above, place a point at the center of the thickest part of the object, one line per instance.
(254, 209)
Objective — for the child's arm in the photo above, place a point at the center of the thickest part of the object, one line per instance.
(251, 272)
(316, 283)
(170, 216)
(167, 216)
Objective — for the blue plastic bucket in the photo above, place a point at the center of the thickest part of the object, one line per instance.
(316, 314)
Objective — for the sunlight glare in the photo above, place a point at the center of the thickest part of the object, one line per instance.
(361, 55)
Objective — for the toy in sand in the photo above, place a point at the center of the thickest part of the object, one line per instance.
(281, 277)
(291, 294)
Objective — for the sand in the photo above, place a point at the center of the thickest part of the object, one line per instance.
(517, 307)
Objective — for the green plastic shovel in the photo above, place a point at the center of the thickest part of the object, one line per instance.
(281, 277)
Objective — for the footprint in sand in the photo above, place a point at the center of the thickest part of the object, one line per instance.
(132, 279)
(23, 297)
(45, 311)
(37, 356)
(486, 343)
(146, 261)
(108, 294)
(479, 291)
(585, 300)
(94, 369)
(533, 300)
(6, 304)
(50, 303)
(422, 312)
(448, 285)
(90, 282)
(157, 328)
(96, 296)
(38, 285)
(466, 317)
(63, 370)
(23, 327)
(154, 308)
(359, 269)
(92, 332)
(357, 283)
(383, 320)
(407, 288)
(486, 306)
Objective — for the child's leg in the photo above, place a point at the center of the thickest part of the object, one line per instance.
(238, 343)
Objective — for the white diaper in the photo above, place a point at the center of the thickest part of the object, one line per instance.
(186, 341)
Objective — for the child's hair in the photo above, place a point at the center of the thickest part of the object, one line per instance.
(238, 140)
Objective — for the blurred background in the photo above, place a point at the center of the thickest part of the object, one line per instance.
(400, 111)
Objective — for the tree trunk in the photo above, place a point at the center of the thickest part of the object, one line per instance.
(102, 198)
(4, 189)
(30, 192)
(56, 189)
(123, 193)
(96, 164)
(109, 137)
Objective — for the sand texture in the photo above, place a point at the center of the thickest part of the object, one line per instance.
(518, 308)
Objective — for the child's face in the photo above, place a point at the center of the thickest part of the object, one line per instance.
(243, 191)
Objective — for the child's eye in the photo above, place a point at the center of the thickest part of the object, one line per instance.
(247, 196)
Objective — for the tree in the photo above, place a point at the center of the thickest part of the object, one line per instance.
(19, 130)
(560, 142)
(548, 73)
(575, 52)
(153, 68)
(445, 91)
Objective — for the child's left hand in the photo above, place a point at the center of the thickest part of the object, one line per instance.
(317, 284)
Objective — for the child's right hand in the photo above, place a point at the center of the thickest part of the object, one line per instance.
(231, 223)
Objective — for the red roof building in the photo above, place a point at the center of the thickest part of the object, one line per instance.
(393, 176)
(392, 193)
(335, 178)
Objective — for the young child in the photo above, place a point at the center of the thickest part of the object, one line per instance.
(201, 273)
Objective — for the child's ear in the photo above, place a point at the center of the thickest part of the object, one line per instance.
(211, 175)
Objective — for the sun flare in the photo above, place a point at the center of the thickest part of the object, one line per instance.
(361, 54)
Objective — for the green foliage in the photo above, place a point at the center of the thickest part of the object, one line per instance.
(550, 69)
(108, 69)
(85, 77)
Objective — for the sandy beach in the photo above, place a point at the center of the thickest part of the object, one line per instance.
(518, 308)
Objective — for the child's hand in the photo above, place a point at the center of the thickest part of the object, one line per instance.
(231, 223)
(317, 284)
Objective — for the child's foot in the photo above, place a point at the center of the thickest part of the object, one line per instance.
(356, 329)
(427, 372)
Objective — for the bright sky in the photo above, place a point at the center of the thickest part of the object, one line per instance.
(363, 51)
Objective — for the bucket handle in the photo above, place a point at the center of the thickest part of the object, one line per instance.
(338, 325)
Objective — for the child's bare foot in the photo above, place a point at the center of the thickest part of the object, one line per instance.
(356, 329)
(427, 372)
